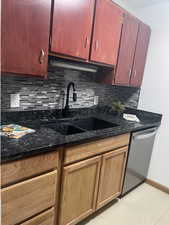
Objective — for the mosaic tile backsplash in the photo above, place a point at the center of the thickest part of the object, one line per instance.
(38, 94)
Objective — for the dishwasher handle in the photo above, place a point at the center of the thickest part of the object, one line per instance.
(146, 134)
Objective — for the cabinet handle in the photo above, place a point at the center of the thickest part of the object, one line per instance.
(42, 56)
(96, 45)
(129, 74)
(135, 73)
(86, 42)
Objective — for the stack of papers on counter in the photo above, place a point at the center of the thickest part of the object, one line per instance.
(14, 131)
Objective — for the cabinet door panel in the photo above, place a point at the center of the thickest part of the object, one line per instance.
(80, 185)
(25, 36)
(107, 31)
(127, 50)
(72, 26)
(140, 54)
(112, 173)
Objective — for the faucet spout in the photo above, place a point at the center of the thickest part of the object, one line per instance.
(71, 84)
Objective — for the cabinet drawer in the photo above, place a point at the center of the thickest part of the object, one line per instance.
(45, 218)
(25, 168)
(25, 199)
(86, 150)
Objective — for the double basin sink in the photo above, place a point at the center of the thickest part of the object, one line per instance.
(75, 126)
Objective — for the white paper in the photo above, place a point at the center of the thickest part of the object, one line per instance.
(131, 117)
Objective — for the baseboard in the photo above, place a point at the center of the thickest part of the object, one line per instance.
(157, 185)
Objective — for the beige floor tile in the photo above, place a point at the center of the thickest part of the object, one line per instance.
(120, 215)
(143, 206)
(151, 203)
(164, 220)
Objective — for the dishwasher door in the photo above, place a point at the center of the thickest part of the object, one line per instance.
(139, 158)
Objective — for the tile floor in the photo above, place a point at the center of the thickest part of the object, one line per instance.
(145, 205)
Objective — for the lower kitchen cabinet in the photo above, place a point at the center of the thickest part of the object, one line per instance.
(92, 183)
(111, 178)
(63, 187)
(79, 190)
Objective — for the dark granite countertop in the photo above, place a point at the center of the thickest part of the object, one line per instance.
(46, 139)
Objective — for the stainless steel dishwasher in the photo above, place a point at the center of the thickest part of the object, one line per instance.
(139, 158)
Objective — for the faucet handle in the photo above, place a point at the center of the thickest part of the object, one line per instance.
(74, 96)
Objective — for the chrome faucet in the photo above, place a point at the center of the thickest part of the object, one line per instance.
(66, 108)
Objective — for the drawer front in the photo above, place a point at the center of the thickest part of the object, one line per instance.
(75, 153)
(45, 218)
(18, 170)
(25, 199)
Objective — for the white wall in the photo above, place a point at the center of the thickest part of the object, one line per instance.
(124, 4)
(155, 89)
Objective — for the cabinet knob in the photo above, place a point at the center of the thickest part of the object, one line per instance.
(86, 42)
(42, 56)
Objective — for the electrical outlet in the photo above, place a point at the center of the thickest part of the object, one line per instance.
(15, 100)
(96, 100)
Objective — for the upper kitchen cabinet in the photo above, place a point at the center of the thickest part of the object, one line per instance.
(127, 50)
(107, 31)
(25, 36)
(72, 27)
(140, 55)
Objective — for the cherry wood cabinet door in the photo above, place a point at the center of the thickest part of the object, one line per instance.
(79, 190)
(107, 31)
(112, 174)
(25, 36)
(126, 51)
(72, 27)
(140, 55)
